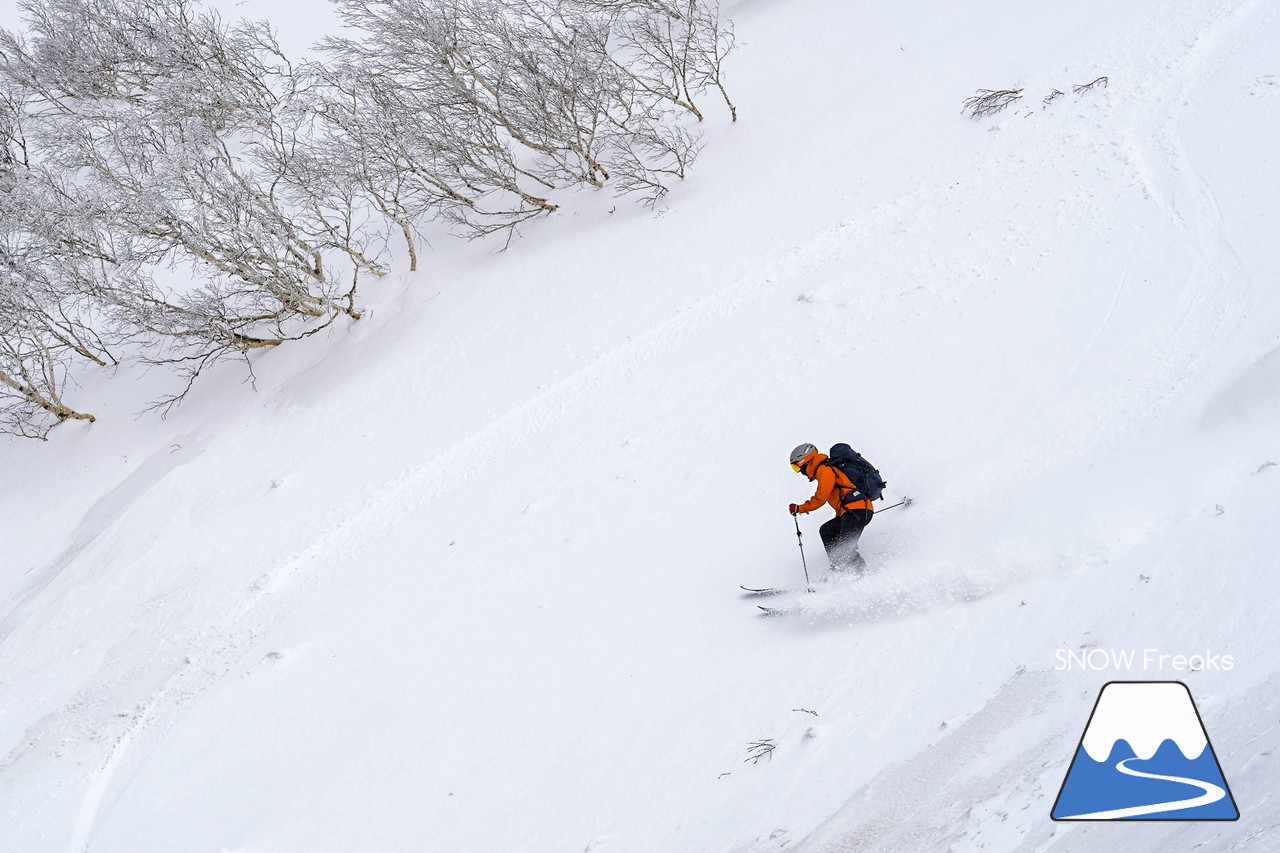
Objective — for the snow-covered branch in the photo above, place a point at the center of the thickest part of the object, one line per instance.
(175, 183)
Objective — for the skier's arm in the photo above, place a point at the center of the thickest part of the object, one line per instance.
(826, 479)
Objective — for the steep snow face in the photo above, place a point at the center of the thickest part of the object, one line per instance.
(1144, 716)
(464, 575)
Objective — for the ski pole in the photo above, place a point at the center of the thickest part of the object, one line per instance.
(803, 561)
(903, 502)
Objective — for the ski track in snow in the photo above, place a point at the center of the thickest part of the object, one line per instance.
(215, 652)
(1167, 172)
(1111, 309)
(93, 799)
(1212, 793)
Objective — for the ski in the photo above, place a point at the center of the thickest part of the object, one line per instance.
(753, 592)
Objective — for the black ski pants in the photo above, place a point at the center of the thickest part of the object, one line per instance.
(840, 537)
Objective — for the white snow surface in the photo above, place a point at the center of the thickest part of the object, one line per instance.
(462, 575)
(1145, 716)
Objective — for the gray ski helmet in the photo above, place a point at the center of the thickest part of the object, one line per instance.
(801, 452)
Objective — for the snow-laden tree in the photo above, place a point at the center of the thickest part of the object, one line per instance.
(477, 111)
(173, 132)
(47, 278)
(674, 51)
(409, 171)
(174, 187)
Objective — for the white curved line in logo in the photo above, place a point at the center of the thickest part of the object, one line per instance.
(1212, 793)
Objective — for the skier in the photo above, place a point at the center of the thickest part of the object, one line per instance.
(839, 535)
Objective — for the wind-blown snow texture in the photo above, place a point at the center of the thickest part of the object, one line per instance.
(463, 575)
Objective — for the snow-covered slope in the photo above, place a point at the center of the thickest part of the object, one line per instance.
(463, 575)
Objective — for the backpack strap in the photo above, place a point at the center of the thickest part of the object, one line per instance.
(851, 491)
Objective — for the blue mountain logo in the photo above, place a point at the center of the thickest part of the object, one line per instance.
(1145, 755)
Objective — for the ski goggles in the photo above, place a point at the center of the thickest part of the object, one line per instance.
(795, 468)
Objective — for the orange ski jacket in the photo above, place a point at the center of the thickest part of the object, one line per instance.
(833, 485)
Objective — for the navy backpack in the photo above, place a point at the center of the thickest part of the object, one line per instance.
(859, 471)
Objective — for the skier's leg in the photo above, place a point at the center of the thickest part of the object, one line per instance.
(830, 533)
(836, 539)
(852, 523)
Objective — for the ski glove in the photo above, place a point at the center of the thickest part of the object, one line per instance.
(793, 508)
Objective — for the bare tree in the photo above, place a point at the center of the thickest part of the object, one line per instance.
(674, 51)
(483, 109)
(46, 316)
(476, 75)
(1080, 89)
(988, 102)
(758, 749)
(173, 126)
(174, 187)
(652, 157)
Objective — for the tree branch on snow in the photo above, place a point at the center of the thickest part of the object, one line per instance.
(1087, 87)
(989, 102)
(759, 749)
